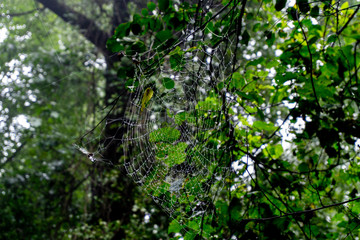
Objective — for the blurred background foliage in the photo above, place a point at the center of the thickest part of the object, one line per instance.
(52, 92)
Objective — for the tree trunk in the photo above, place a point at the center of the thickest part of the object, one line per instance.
(110, 209)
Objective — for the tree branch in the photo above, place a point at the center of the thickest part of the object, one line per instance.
(347, 23)
(299, 212)
(88, 27)
(311, 66)
(22, 13)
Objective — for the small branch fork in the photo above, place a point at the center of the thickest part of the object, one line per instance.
(347, 23)
(299, 212)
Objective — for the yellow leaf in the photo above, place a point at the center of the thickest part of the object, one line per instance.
(146, 98)
(345, 5)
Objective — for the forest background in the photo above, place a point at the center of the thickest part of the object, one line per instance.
(184, 120)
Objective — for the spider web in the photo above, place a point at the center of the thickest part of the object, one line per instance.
(174, 142)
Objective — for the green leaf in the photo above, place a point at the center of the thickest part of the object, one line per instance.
(245, 37)
(194, 225)
(180, 118)
(315, 11)
(249, 109)
(255, 62)
(222, 210)
(282, 78)
(177, 50)
(238, 81)
(210, 104)
(138, 47)
(174, 227)
(282, 34)
(303, 167)
(162, 149)
(280, 95)
(264, 126)
(343, 224)
(270, 37)
(280, 4)
(313, 40)
(161, 37)
(293, 13)
(135, 28)
(353, 36)
(332, 38)
(151, 6)
(164, 5)
(190, 235)
(113, 45)
(274, 151)
(172, 155)
(256, 27)
(123, 30)
(303, 5)
(353, 193)
(176, 61)
(168, 83)
(144, 12)
(344, 5)
(304, 51)
(166, 134)
(255, 140)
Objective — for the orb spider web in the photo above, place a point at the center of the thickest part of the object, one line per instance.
(175, 142)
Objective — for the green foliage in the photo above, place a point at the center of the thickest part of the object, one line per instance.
(171, 155)
(256, 113)
(103, 230)
(280, 100)
(168, 83)
(166, 134)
